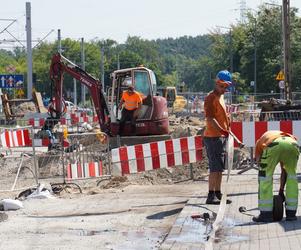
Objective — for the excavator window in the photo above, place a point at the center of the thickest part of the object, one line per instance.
(142, 82)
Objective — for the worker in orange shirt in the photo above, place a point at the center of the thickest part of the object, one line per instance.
(215, 134)
(275, 147)
(131, 102)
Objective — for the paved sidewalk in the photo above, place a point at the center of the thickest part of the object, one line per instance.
(238, 230)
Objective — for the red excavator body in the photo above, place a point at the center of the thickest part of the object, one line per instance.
(153, 115)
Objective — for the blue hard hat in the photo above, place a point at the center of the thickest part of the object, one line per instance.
(224, 76)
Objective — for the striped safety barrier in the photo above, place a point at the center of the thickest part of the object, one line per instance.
(83, 171)
(233, 108)
(20, 137)
(155, 155)
(68, 119)
(15, 138)
(250, 132)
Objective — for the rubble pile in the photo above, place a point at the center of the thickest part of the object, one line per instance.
(185, 126)
(23, 108)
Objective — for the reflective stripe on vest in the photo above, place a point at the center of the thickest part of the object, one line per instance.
(294, 208)
(266, 209)
(267, 178)
(265, 201)
(130, 105)
(291, 201)
(291, 177)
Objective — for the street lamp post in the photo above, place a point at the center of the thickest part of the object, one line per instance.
(255, 60)
(102, 69)
(285, 45)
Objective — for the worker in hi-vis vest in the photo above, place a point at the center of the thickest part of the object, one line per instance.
(275, 147)
(131, 102)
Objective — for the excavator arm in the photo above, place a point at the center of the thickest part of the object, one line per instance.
(61, 65)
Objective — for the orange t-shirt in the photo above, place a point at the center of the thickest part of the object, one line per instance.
(214, 107)
(267, 138)
(131, 102)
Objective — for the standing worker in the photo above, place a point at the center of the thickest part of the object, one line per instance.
(275, 147)
(132, 101)
(215, 134)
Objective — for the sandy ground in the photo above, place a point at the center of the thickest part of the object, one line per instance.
(131, 212)
(133, 217)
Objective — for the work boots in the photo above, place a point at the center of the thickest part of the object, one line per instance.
(219, 196)
(264, 216)
(290, 215)
(212, 199)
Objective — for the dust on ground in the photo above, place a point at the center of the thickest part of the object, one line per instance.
(49, 170)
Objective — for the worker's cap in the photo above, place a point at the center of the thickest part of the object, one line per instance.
(224, 78)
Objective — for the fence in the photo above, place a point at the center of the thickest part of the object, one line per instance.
(155, 155)
(250, 132)
(87, 156)
(18, 162)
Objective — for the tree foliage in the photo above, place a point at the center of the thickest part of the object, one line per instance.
(192, 60)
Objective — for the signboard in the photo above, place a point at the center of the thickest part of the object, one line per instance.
(10, 69)
(11, 81)
(280, 76)
(281, 84)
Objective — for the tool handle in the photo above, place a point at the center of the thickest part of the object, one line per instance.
(196, 216)
(241, 145)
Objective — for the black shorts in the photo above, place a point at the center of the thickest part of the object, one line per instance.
(215, 148)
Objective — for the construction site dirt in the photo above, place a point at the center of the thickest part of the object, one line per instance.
(122, 212)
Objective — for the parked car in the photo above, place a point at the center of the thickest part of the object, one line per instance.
(72, 107)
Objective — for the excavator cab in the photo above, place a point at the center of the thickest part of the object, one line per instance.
(153, 108)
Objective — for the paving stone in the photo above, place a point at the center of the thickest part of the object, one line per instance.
(238, 230)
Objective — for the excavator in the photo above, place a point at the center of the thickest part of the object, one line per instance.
(153, 115)
(177, 102)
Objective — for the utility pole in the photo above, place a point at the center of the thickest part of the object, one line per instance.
(255, 59)
(59, 41)
(118, 61)
(83, 87)
(29, 50)
(231, 51)
(102, 68)
(286, 49)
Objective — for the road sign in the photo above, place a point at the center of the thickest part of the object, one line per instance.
(11, 81)
(10, 69)
(280, 76)
(281, 84)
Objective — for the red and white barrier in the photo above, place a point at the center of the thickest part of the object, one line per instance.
(15, 138)
(250, 132)
(161, 154)
(86, 170)
(68, 119)
(232, 108)
(12, 138)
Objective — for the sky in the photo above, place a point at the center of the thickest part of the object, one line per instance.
(118, 19)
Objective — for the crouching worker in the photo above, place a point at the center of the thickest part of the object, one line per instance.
(275, 147)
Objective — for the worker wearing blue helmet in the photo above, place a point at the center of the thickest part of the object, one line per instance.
(224, 76)
(215, 134)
